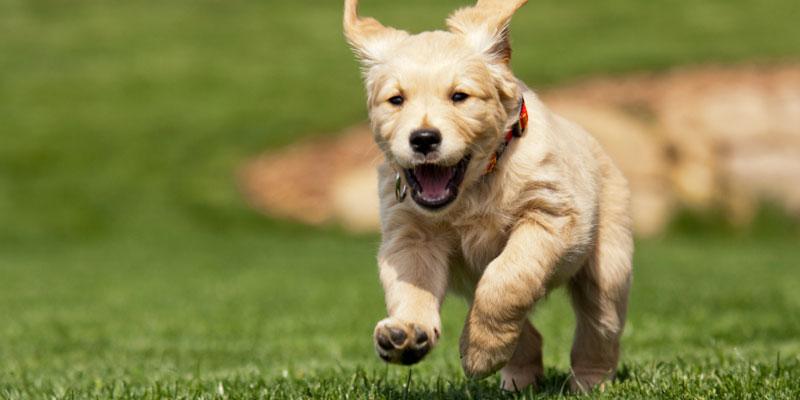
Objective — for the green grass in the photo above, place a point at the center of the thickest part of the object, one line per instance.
(288, 313)
(129, 267)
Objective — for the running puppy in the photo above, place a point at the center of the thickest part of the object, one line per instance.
(506, 201)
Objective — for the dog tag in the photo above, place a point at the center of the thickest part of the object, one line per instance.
(399, 188)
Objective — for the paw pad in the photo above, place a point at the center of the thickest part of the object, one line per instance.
(401, 343)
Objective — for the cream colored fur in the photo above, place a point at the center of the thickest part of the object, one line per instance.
(554, 212)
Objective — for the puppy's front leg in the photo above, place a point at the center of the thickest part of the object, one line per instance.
(414, 271)
(506, 292)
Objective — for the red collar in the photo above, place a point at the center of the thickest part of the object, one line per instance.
(516, 131)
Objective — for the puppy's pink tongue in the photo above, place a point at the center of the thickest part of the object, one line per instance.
(433, 179)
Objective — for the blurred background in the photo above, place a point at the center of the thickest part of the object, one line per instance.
(187, 195)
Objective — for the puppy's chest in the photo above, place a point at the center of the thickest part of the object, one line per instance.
(482, 238)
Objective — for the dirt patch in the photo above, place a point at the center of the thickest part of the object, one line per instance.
(701, 138)
(299, 181)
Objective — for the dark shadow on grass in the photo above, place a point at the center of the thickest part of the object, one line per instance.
(555, 384)
(447, 389)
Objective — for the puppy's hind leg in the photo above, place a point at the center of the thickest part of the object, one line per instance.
(599, 295)
(525, 367)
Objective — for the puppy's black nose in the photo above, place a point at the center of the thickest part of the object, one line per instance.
(425, 140)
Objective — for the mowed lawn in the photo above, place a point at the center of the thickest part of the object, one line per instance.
(130, 267)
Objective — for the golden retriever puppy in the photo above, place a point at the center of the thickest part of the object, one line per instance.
(506, 201)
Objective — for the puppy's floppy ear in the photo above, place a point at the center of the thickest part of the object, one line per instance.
(486, 26)
(367, 37)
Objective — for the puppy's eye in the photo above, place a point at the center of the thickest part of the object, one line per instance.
(397, 100)
(458, 97)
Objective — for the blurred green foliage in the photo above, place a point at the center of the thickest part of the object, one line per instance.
(118, 113)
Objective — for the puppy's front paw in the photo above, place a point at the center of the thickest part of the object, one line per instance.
(479, 363)
(400, 342)
(584, 380)
(483, 351)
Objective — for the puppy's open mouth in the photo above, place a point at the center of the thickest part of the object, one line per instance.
(434, 186)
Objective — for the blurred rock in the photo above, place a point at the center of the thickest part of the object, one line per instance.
(304, 180)
(699, 138)
(351, 207)
(637, 152)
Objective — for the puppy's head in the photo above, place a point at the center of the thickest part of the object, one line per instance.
(439, 102)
